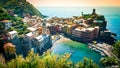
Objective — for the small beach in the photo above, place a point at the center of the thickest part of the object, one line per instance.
(60, 40)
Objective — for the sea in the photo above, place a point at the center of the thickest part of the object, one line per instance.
(112, 16)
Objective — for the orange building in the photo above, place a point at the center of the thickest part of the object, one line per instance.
(9, 48)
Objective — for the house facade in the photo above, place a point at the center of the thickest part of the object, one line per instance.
(5, 24)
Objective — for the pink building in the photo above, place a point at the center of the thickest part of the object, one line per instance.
(86, 34)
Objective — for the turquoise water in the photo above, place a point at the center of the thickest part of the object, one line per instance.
(80, 51)
(112, 15)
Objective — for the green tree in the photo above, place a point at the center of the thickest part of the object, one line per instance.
(47, 60)
(109, 61)
(86, 63)
(117, 49)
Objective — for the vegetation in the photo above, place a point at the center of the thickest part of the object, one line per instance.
(112, 61)
(47, 60)
(109, 61)
(4, 14)
(17, 23)
(19, 26)
(116, 49)
(19, 7)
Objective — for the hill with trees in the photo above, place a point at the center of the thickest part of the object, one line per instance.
(19, 7)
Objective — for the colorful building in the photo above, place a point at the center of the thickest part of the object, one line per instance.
(9, 50)
(12, 34)
(5, 24)
(34, 31)
(86, 34)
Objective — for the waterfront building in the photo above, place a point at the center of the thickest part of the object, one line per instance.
(5, 24)
(12, 34)
(86, 34)
(42, 42)
(76, 32)
(64, 28)
(69, 29)
(74, 26)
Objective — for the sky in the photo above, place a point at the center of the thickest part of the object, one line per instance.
(74, 3)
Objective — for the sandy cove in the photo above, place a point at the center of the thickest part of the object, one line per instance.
(62, 39)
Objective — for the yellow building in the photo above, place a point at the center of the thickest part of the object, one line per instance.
(9, 48)
(68, 29)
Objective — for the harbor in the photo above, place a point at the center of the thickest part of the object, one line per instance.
(103, 48)
(76, 49)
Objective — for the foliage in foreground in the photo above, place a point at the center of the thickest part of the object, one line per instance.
(112, 61)
(47, 60)
(117, 49)
(109, 61)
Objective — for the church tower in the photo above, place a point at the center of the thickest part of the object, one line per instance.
(44, 27)
(94, 12)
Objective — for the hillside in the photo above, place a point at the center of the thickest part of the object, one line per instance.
(19, 7)
(4, 14)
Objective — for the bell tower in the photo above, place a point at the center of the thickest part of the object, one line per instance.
(94, 12)
(44, 28)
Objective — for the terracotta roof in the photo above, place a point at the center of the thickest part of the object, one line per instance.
(74, 24)
(5, 21)
(8, 45)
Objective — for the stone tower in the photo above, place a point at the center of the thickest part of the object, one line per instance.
(94, 12)
(44, 28)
